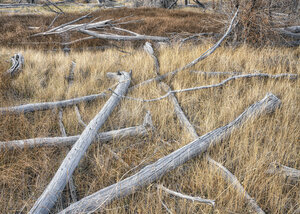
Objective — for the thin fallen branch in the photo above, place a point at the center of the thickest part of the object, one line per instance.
(140, 130)
(289, 173)
(216, 73)
(48, 105)
(17, 62)
(154, 171)
(236, 184)
(123, 38)
(194, 62)
(260, 75)
(180, 195)
(69, 164)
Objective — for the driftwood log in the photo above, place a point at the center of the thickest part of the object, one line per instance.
(154, 171)
(140, 130)
(48, 105)
(17, 62)
(66, 169)
(290, 174)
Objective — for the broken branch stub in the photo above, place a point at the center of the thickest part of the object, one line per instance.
(290, 174)
(156, 170)
(17, 62)
(69, 164)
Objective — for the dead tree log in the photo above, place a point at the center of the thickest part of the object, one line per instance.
(140, 130)
(123, 38)
(229, 176)
(290, 174)
(154, 171)
(66, 169)
(48, 105)
(17, 62)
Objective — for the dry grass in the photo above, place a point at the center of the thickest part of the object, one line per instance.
(25, 174)
(152, 21)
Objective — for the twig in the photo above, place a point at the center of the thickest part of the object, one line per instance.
(61, 125)
(180, 195)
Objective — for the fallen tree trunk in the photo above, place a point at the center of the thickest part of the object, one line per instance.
(154, 171)
(66, 169)
(288, 173)
(225, 172)
(70, 140)
(48, 105)
(123, 38)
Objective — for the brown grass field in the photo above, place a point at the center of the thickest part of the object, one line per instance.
(24, 174)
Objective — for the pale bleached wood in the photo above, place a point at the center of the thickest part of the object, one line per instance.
(149, 49)
(17, 62)
(26, 108)
(195, 61)
(61, 125)
(180, 195)
(190, 128)
(154, 171)
(244, 76)
(236, 184)
(216, 73)
(290, 174)
(140, 130)
(123, 38)
(80, 121)
(46, 201)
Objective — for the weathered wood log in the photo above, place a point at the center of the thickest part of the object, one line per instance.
(190, 128)
(285, 32)
(236, 184)
(123, 38)
(290, 174)
(180, 195)
(195, 61)
(154, 171)
(140, 130)
(48, 105)
(70, 78)
(66, 169)
(80, 121)
(17, 62)
(149, 49)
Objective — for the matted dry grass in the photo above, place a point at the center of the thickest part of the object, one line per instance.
(247, 153)
(152, 21)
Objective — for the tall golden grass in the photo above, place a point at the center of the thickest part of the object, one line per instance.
(24, 174)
